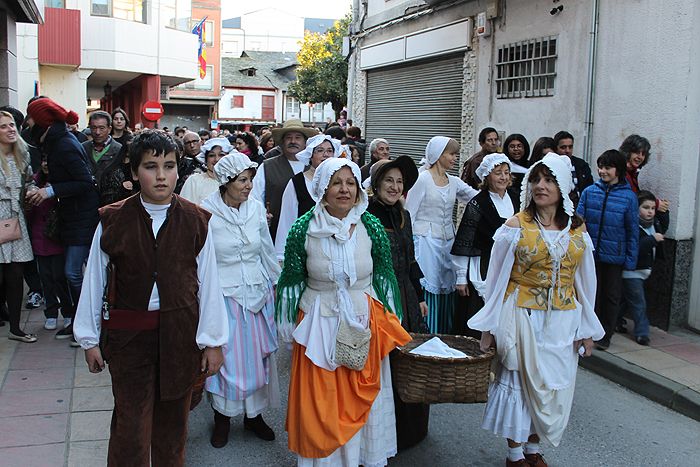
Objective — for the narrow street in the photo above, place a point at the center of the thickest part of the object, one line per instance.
(610, 426)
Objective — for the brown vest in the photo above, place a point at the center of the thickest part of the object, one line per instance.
(169, 260)
(278, 172)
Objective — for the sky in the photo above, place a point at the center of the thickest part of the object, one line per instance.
(306, 8)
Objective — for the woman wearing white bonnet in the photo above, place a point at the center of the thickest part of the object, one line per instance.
(338, 274)
(200, 185)
(297, 199)
(430, 203)
(484, 214)
(247, 383)
(539, 313)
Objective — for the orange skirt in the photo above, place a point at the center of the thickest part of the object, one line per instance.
(327, 408)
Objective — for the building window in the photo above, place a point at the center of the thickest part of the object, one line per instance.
(292, 106)
(527, 68)
(55, 3)
(237, 102)
(101, 8)
(177, 14)
(201, 84)
(318, 107)
(131, 10)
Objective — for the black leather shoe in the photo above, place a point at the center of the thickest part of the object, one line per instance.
(258, 426)
(222, 426)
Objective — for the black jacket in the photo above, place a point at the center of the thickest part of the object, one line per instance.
(73, 185)
(584, 177)
(647, 242)
(479, 223)
(103, 169)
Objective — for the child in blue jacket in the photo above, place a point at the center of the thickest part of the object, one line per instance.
(610, 209)
(651, 233)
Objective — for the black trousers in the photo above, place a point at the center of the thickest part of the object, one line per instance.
(11, 276)
(465, 308)
(31, 276)
(55, 285)
(608, 297)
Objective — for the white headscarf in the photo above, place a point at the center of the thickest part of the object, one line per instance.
(489, 163)
(231, 166)
(228, 168)
(434, 149)
(305, 155)
(322, 223)
(561, 168)
(223, 143)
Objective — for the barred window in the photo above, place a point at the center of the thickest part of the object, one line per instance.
(527, 68)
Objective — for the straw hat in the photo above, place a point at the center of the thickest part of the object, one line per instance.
(293, 124)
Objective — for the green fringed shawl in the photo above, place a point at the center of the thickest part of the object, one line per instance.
(292, 282)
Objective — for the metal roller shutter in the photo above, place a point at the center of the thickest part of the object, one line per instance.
(409, 104)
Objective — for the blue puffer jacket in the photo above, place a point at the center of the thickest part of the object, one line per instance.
(611, 213)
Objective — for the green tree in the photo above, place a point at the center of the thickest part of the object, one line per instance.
(322, 74)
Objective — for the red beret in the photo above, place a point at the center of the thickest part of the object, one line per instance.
(45, 112)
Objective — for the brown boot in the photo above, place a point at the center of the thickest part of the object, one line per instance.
(518, 463)
(222, 425)
(535, 460)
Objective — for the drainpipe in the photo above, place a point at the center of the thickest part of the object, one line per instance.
(353, 57)
(590, 86)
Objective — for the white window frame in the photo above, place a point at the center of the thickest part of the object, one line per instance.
(110, 10)
(526, 68)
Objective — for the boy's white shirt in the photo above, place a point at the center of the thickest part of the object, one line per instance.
(212, 330)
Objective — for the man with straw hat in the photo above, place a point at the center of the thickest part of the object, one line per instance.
(274, 174)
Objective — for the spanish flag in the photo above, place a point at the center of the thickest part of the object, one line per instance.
(202, 53)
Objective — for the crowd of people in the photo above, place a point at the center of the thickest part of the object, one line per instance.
(187, 257)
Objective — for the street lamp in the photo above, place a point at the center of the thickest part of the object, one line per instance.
(108, 89)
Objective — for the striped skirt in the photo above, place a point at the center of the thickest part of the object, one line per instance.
(440, 311)
(248, 355)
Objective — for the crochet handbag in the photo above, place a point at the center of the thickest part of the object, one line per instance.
(9, 230)
(351, 343)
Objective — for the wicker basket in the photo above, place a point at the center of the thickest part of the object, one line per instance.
(433, 380)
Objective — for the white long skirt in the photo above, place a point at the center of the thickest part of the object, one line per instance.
(375, 443)
(536, 374)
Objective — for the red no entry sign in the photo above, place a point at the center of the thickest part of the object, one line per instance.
(152, 111)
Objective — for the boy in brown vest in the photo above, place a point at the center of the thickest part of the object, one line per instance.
(167, 321)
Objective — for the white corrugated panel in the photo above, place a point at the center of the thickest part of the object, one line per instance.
(409, 104)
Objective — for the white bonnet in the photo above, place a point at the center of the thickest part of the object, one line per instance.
(561, 168)
(434, 149)
(324, 172)
(305, 155)
(223, 143)
(231, 166)
(489, 163)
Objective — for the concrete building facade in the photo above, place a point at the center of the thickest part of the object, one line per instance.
(195, 103)
(13, 15)
(95, 54)
(600, 69)
(254, 92)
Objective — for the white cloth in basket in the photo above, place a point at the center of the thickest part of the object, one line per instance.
(435, 347)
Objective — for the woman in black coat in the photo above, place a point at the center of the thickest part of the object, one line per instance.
(72, 183)
(389, 181)
(471, 251)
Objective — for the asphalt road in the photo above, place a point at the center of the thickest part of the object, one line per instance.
(609, 426)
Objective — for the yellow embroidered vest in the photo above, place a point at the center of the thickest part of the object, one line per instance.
(532, 270)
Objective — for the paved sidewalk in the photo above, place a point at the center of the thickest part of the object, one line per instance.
(53, 412)
(667, 371)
